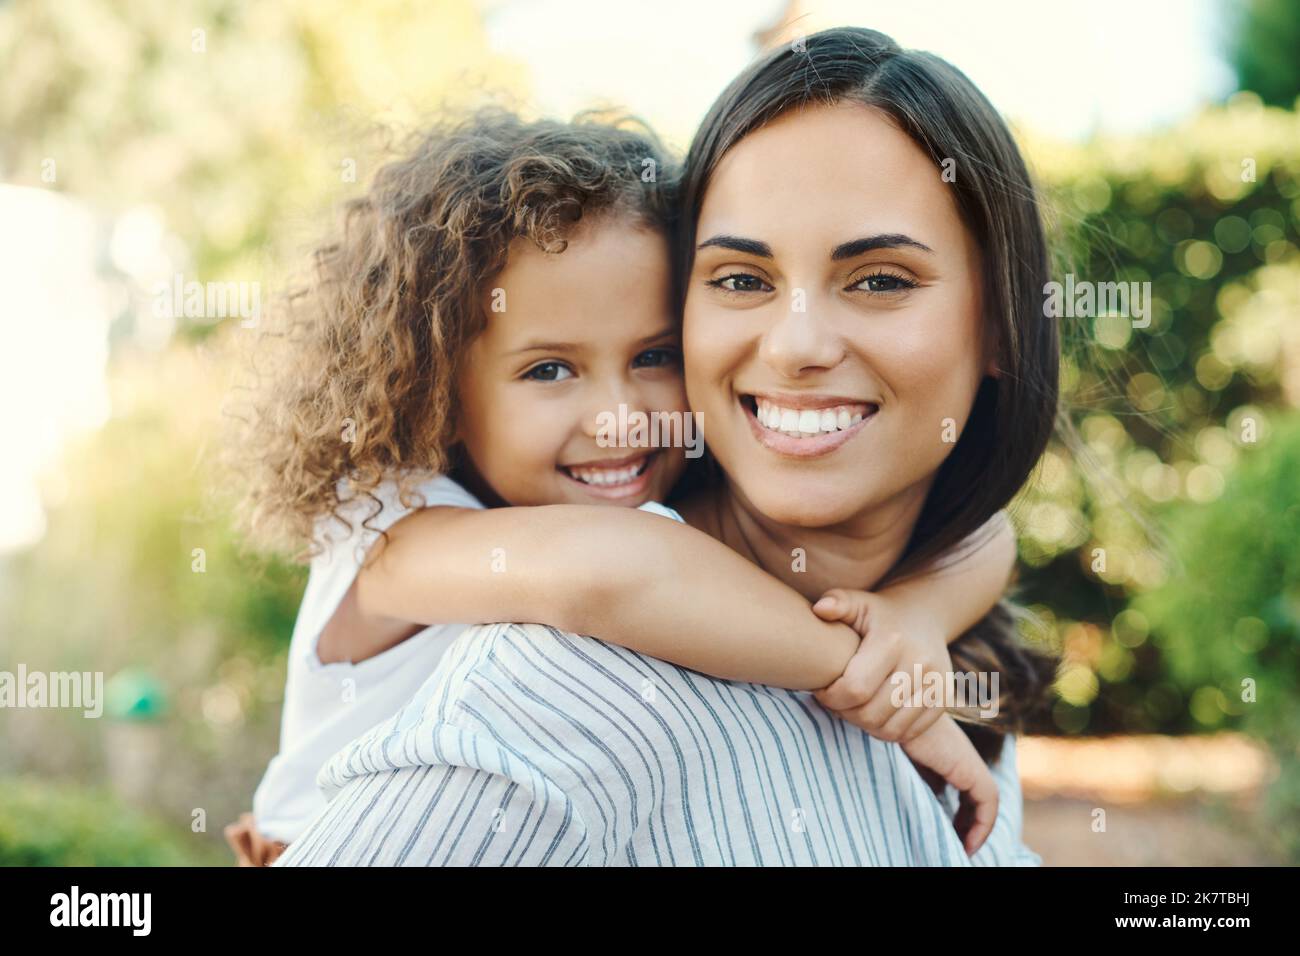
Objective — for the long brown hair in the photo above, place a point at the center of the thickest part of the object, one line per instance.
(356, 372)
(1013, 414)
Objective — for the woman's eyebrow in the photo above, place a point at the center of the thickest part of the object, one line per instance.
(753, 247)
(887, 240)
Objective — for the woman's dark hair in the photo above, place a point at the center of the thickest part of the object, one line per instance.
(1013, 414)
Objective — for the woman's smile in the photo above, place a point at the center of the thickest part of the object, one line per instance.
(802, 425)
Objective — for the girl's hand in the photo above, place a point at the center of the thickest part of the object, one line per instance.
(250, 847)
(945, 752)
(896, 637)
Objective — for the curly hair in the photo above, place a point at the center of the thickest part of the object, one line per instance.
(364, 356)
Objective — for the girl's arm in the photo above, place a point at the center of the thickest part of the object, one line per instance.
(637, 579)
(963, 584)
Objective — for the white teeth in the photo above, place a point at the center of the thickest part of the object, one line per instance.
(607, 476)
(808, 422)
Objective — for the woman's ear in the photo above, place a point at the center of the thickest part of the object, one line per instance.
(993, 351)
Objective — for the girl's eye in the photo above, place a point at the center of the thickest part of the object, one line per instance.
(885, 282)
(656, 358)
(740, 282)
(549, 372)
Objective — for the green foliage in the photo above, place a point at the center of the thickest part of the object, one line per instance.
(49, 824)
(1265, 49)
(1228, 625)
(1163, 411)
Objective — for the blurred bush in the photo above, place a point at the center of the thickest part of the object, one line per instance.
(51, 824)
(1228, 623)
(1208, 214)
(1265, 38)
(140, 573)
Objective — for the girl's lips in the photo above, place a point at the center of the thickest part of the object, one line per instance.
(792, 447)
(624, 491)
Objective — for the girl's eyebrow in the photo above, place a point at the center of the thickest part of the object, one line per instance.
(546, 347)
(845, 250)
(577, 347)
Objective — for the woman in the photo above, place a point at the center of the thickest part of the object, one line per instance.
(858, 224)
(826, 260)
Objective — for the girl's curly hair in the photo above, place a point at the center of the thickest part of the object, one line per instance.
(357, 367)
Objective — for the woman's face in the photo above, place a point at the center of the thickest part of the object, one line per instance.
(833, 332)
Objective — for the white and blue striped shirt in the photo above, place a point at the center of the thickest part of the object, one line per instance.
(532, 746)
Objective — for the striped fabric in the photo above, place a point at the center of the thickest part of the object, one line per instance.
(532, 746)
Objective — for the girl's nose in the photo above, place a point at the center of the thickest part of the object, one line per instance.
(605, 403)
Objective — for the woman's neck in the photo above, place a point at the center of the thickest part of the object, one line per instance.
(855, 554)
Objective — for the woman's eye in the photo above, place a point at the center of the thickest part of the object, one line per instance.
(884, 282)
(549, 372)
(656, 358)
(740, 282)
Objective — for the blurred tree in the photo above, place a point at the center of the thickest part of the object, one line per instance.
(238, 120)
(1265, 49)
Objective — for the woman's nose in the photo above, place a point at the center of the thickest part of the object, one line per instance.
(800, 340)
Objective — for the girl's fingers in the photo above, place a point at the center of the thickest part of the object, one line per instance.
(929, 716)
(977, 813)
(873, 715)
(949, 752)
(862, 679)
(851, 607)
(900, 725)
(237, 837)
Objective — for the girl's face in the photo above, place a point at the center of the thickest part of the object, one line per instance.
(571, 336)
(832, 331)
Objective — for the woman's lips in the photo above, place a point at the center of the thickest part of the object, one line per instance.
(613, 479)
(815, 446)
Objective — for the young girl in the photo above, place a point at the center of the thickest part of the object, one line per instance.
(440, 393)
